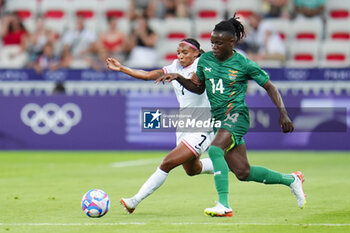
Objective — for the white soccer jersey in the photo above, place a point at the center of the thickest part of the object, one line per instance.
(186, 98)
(197, 142)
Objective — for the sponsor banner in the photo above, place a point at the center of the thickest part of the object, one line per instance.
(118, 122)
(178, 120)
(307, 119)
(282, 74)
(61, 122)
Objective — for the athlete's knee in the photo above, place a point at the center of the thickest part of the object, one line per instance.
(242, 173)
(192, 171)
(168, 164)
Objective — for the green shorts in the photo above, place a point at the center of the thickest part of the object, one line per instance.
(237, 124)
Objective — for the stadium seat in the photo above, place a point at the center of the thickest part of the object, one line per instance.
(282, 26)
(25, 9)
(338, 30)
(203, 28)
(8, 61)
(303, 54)
(243, 9)
(90, 10)
(205, 45)
(175, 29)
(114, 8)
(123, 24)
(338, 9)
(167, 51)
(335, 54)
(56, 14)
(205, 9)
(306, 29)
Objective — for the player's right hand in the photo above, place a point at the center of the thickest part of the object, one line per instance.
(166, 77)
(113, 64)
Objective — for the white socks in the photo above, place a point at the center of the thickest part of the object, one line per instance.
(207, 166)
(159, 177)
(151, 185)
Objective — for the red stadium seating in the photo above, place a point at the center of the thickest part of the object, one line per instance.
(338, 9)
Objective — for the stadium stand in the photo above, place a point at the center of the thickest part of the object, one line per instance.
(243, 8)
(306, 29)
(56, 14)
(60, 15)
(338, 30)
(335, 54)
(90, 10)
(303, 54)
(175, 29)
(117, 9)
(338, 9)
(205, 9)
(25, 9)
(282, 26)
(167, 51)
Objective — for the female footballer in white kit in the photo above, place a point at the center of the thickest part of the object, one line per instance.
(189, 145)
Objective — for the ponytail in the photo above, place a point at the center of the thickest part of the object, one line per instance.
(232, 26)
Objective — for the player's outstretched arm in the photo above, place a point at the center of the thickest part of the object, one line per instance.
(115, 65)
(193, 84)
(284, 121)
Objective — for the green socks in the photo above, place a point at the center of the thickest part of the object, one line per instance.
(216, 155)
(266, 176)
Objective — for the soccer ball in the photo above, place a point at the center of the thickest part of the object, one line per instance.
(95, 203)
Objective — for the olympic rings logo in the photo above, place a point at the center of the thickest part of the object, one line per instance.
(51, 117)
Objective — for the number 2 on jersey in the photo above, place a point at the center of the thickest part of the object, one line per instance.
(218, 87)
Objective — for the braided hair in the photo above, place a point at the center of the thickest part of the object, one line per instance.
(196, 44)
(232, 26)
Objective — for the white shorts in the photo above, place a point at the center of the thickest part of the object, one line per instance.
(196, 142)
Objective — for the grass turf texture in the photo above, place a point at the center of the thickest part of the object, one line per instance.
(41, 192)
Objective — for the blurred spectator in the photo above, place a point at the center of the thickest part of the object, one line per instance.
(14, 40)
(113, 41)
(276, 8)
(98, 60)
(47, 60)
(59, 88)
(141, 7)
(263, 42)
(77, 45)
(39, 38)
(309, 8)
(176, 8)
(142, 42)
(2, 6)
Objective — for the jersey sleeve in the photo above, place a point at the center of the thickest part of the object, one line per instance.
(256, 73)
(200, 68)
(170, 68)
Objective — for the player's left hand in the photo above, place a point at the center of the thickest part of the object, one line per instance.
(286, 124)
(166, 77)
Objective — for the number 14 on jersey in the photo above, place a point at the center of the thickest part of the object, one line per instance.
(218, 87)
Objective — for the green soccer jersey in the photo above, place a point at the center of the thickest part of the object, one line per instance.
(226, 82)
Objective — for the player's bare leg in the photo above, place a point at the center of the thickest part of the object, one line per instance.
(238, 163)
(179, 155)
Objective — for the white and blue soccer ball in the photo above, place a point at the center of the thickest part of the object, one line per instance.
(95, 203)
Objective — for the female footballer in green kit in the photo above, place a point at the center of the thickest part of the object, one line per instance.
(224, 74)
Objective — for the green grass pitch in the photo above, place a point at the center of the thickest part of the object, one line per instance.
(41, 192)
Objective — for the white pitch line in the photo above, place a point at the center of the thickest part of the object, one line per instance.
(134, 163)
(171, 223)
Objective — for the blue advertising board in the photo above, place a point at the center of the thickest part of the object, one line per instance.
(114, 122)
(283, 74)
